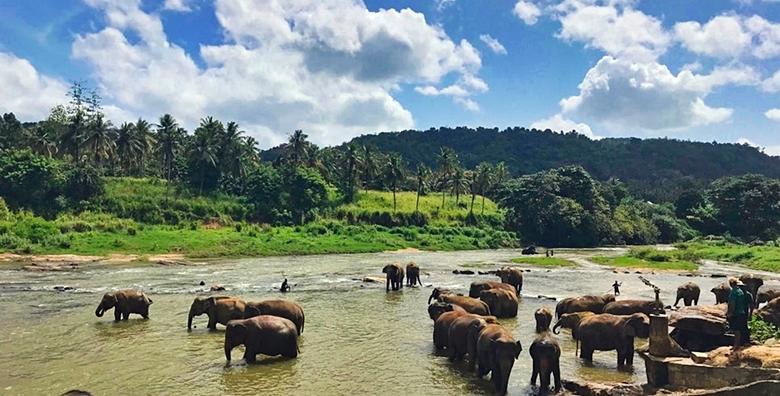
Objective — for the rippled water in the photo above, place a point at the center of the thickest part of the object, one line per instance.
(358, 339)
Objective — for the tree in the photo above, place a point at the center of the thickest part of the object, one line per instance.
(351, 166)
(459, 183)
(99, 140)
(264, 190)
(11, 132)
(447, 161)
(82, 183)
(169, 140)
(143, 132)
(482, 182)
(298, 150)
(748, 206)
(29, 180)
(128, 147)
(203, 156)
(422, 174)
(306, 192)
(370, 167)
(394, 174)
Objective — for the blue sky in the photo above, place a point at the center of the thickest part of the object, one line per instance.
(692, 69)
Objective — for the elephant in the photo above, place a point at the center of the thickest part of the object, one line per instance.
(606, 332)
(441, 328)
(458, 334)
(530, 250)
(471, 305)
(436, 309)
(546, 355)
(770, 312)
(571, 321)
(436, 292)
(124, 302)
(721, 292)
(752, 284)
(688, 292)
(395, 276)
(593, 304)
(766, 295)
(512, 276)
(543, 318)
(478, 287)
(496, 353)
(502, 303)
(219, 309)
(629, 307)
(282, 308)
(413, 275)
(264, 334)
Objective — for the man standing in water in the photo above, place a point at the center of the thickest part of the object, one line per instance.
(285, 287)
(616, 286)
(738, 312)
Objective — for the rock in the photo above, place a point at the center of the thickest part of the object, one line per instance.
(758, 388)
(596, 389)
(717, 276)
(215, 288)
(770, 312)
(171, 262)
(202, 283)
(373, 279)
(51, 267)
(463, 272)
(706, 319)
(63, 288)
(767, 294)
(764, 356)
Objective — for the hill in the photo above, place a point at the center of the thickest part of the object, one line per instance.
(655, 169)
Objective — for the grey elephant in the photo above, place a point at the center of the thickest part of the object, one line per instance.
(458, 334)
(479, 286)
(413, 275)
(767, 294)
(512, 276)
(593, 304)
(545, 354)
(471, 305)
(752, 284)
(571, 321)
(219, 309)
(629, 307)
(437, 291)
(282, 308)
(543, 318)
(607, 332)
(502, 303)
(437, 308)
(688, 292)
(496, 353)
(124, 302)
(395, 277)
(441, 328)
(264, 334)
(721, 292)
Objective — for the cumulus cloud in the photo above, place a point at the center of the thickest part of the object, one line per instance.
(772, 84)
(722, 36)
(527, 11)
(630, 95)
(559, 123)
(493, 44)
(773, 114)
(767, 34)
(326, 66)
(613, 27)
(27, 93)
(177, 5)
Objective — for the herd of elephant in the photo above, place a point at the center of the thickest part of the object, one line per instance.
(269, 327)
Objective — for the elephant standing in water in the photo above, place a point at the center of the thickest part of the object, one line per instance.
(478, 287)
(593, 304)
(219, 309)
(413, 275)
(471, 305)
(607, 332)
(264, 334)
(721, 292)
(496, 353)
(545, 353)
(395, 276)
(502, 303)
(458, 342)
(688, 292)
(571, 321)
(436, 309)
(512, 276)
(441, 328)
(630, 307)
(124, 302)
(281, 308)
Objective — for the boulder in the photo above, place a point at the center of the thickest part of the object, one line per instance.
(770, 312)
(700, 328)
(761, 356)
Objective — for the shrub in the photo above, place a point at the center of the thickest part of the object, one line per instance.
(33, 228)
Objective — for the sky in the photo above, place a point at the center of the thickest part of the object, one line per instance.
(706, 70)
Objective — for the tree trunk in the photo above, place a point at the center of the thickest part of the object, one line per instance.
(483, 203)
(417, 204)
(442, 198)
(393, 196)
(202, 177)
(473, 197)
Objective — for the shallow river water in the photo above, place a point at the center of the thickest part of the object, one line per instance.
(357, 340)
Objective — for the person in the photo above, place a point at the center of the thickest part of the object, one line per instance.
(285, 287)
(616, 286)
(739, 310)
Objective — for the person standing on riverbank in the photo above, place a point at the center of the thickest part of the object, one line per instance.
(285, 286)
(738, 311)
(616, 287)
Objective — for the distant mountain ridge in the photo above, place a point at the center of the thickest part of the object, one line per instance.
(657, 169)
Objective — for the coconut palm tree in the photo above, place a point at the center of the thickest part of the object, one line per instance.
(351, 165)
(169, 140)
(71, 141)
(99, 140)
(369, 168)
(500, 173)
(483, 180)
(40, 140)
(203, 153)
(458, 183)
(298, 150)
(394, 174)
(128, 147)
(447, 161)
(143, 132)
(422, 175)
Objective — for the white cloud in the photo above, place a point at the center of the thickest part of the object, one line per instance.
(613, 27)
(459, 91)
(559, 123)
(441, 5)
(27, 93)
(634, 95)
(773, 114)
(772, 84)
(722, 36)
(527, 11)
(768, 150)
(493, 44)
(177, 5)
(328, 67)
(767, 34)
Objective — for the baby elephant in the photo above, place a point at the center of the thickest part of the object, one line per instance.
(264, 334)
(124, 302)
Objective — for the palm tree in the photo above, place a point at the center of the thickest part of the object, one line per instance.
(394, 174)
(297, 149)
(41, 141)
(229, 154)
(203, 152)
(143, 132)
(72, 139)
(169, 140)
(422, 174)
(500, 173)
(447, 160)
(128, 147)
(369, 167)
(483, 179)
(99, 140)
(352, 163)
(459, 183)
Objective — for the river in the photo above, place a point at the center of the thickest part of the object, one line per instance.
(357, 340)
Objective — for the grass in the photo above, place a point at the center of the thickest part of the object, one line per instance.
(634, 262)
(761, 257)
(544, 261)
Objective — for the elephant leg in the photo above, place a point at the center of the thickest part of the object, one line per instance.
(630, 354)
(387, 284)
(677, 301)
(125, 315)
(696, 301)
(586, 352)
(212, 322)
(556, 370)
(534, 370)
(117, 315)
(544, 383)
(145, 312)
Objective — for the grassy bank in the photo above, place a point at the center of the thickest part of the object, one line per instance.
(651, 259)
(544, 261)
(761, 257)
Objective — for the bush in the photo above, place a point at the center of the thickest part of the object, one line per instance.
(83, 183)
(33, 228)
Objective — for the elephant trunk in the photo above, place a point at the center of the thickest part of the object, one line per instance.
(189, 319)
(99, 311)
(555, 328)
(228, 348)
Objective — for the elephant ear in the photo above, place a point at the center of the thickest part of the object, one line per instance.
(237, 330)
(384, 270)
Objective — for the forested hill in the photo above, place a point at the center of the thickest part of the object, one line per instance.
(657, 169)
